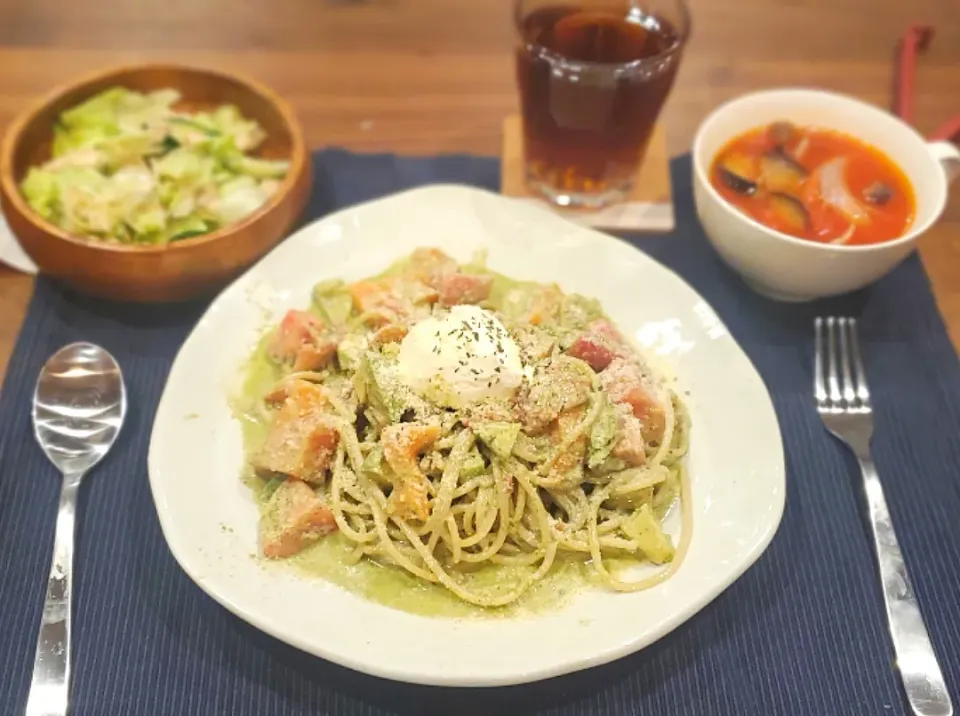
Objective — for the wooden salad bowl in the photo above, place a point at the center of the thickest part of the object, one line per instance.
(182, 269)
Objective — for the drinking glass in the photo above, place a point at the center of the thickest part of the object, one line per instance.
(593, 76)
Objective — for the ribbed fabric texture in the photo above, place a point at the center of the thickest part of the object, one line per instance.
(802, 632)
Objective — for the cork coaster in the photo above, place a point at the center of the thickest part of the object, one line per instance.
(648, 208)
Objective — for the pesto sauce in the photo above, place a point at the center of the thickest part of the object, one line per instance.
(260, 374)
(331, 557)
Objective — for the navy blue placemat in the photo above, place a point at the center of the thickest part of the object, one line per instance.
(802, 632)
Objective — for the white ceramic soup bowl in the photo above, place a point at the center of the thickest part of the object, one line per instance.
(790, 269)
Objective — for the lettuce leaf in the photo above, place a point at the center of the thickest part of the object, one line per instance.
(128, 166)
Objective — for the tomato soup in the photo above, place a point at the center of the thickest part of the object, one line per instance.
(814, 184)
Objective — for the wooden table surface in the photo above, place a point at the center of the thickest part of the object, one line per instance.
(426, 76)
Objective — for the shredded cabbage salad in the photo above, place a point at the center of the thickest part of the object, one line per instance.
(128, 168)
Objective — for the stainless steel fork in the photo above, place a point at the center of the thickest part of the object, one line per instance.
(843, 401)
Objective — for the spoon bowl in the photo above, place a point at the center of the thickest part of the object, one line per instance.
(78, 408)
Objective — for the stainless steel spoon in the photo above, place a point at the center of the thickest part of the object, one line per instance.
(78, 408)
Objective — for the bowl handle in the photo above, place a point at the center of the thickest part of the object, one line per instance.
(949, 157)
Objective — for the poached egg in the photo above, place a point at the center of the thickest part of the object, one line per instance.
(461, 356)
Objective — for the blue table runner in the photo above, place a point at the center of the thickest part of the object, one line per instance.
(802, 632)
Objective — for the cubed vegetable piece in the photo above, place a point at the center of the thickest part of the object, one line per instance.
(603, 435)
(376, 383)
(578, 311)
(473, 464)
(498, 437)
(644, 527)
(563, 384)
(373, 461)
(334, 301)
(293, 518)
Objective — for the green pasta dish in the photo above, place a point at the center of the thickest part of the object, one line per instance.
(449, 423)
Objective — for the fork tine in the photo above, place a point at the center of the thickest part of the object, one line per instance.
(847, 381)
(819, 387)
(833, 384)
(862, 390)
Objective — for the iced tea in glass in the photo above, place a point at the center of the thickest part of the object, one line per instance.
(593, 77)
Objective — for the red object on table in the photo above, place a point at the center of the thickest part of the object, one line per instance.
(949, 131)
(915, 40)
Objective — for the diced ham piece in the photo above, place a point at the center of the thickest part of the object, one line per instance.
(276, 395)
(430, 266)
(300, 340)
(317, 356)
(623, 383)
(293, 518)
(301, 399)
(461, 288)
(402, 443)
(599, 344)
(297, 329)
(630, 445)
(393, 298)
(300, 442)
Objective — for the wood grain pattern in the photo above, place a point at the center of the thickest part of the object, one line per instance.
(426, 76)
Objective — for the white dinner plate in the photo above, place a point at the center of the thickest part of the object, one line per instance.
(209, 517)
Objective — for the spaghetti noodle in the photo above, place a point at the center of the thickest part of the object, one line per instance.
(581, 462)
